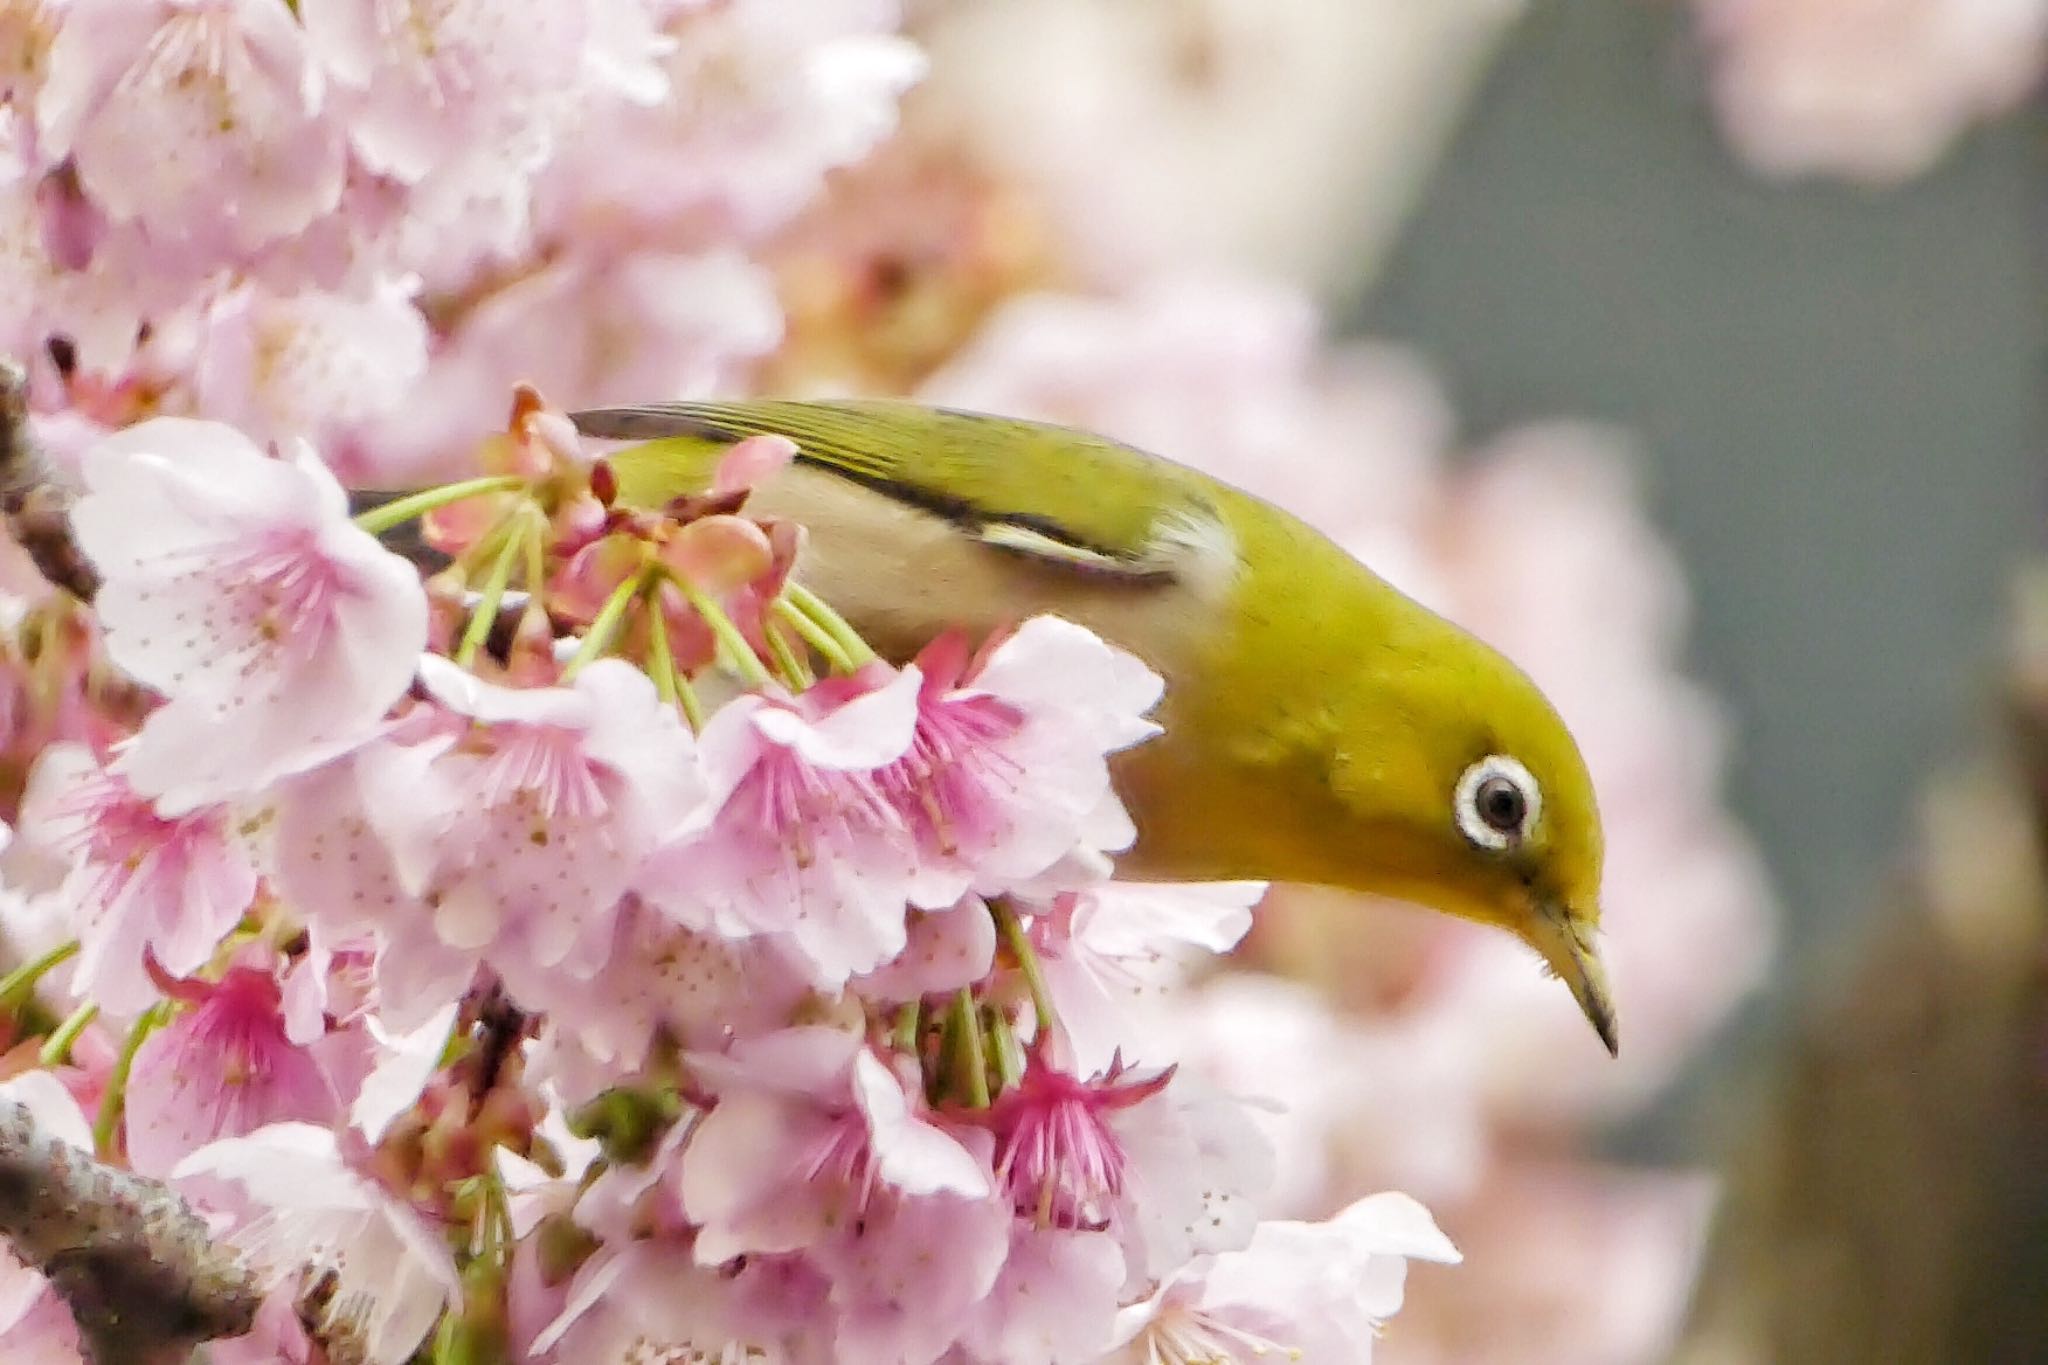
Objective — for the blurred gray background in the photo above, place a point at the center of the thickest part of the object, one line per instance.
(1840, 395)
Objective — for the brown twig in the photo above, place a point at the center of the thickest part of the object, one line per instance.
(36, 507)
(1890, 1199)
(144, 1278)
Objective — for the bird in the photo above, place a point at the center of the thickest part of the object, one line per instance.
(1320, 726)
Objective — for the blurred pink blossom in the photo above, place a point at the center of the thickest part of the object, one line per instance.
(204, 121)
(767, 99)
(587, 329)
(1870, 90)
(28, 28)
(465, 93)
(1562, 1262)
(99, 310)
(309, 364)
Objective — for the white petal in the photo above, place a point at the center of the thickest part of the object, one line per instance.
(911, 1154)
(396, 1081)
(1394, 1224)
(56, 1113)
(285, 1165)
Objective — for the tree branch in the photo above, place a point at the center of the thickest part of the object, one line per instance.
(1890, 1199)
(35, 506)
(144, 1278)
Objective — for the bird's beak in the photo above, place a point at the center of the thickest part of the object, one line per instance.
(1566, 944)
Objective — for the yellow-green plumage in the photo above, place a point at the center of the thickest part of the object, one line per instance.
(1318, 722)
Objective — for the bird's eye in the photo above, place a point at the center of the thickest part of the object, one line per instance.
(1497, 802)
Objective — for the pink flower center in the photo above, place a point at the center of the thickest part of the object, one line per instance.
(943, 783)
(122, 838)
(543, 766)
(239, 1024)
(107, 822)
(1057, 1154)
(278, 595)
(842, 1165)
(790, 800)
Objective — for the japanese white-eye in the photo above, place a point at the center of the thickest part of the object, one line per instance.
(1320, 726)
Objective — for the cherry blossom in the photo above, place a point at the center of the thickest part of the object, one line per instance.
(1870, 90)
(311, 1210)
(1058, 1154)
(1052, 701)
(1109, 946)
(804, 844)
(307, 364)
(1054, 1303)
(810, 1131)
(142, 886)
(524, 822)
(235, 584)
(647, 1298)
(223, 1069)
(1313, 1292)
(700, 990)
(205, 121)
(334, 868)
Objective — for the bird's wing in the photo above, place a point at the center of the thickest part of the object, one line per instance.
(1052, 493)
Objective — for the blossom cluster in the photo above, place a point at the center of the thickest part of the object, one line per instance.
(595, 948)
(467, 944)
(301, 218)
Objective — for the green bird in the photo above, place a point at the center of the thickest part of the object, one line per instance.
(1320, 726)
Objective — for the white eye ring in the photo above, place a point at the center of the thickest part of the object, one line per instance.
(1473, 824)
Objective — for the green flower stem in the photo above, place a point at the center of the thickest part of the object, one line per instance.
(909, 1020)
(848, 639)
(485, 614)
(57, 1046)
(747, 663)
(669, 682)
(397, 512)
(814, 635)
(973, 1057)
(20, 983)
(793, 669)
(536, 566)
(117, 1084)
(605, 628)
(1009, 1054)
(1012, 930)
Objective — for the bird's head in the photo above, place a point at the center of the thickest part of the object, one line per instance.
(1465, 792)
